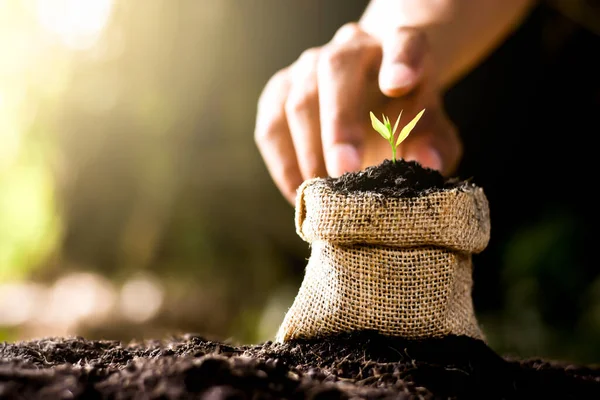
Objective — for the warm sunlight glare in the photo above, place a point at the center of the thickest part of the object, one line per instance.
(32, 75)
(78, 23)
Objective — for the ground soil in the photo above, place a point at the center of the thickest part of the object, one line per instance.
(361, 365)
(396, 179)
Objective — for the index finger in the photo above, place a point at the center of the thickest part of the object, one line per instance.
(344, 74)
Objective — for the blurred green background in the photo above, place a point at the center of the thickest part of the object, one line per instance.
(134, 203)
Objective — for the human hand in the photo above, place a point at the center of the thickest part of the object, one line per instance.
(313, 116)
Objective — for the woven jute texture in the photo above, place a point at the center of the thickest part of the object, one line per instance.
(400, 266)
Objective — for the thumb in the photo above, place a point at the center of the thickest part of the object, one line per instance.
(403, 61)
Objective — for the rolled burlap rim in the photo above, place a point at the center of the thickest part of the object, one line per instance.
(397, 265)
(457, 219)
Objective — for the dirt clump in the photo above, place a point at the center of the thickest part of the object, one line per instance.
(399, 179)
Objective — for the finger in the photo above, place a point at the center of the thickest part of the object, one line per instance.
(302, 111)
(344, 70)
(403, 61)
(273, 139)
(435, 145)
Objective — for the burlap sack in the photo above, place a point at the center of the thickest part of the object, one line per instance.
(400, 266)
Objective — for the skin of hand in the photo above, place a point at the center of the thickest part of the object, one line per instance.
(313, 116)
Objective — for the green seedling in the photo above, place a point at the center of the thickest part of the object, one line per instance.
(385, 129)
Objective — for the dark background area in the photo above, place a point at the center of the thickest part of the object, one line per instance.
(134, 203)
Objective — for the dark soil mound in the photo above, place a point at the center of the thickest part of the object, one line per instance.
(360, 365)
(399, 179)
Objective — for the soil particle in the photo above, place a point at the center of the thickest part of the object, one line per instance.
(399, 179)
(360, 365)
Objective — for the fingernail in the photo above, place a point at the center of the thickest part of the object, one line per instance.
(428, 157)
(342, 158)
(397, 76)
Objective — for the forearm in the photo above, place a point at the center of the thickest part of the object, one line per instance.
(461, 32)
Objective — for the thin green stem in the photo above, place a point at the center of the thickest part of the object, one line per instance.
(393, 150)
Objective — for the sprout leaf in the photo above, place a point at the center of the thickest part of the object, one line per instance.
(380, 127)
(409, 127)
(396, 124)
